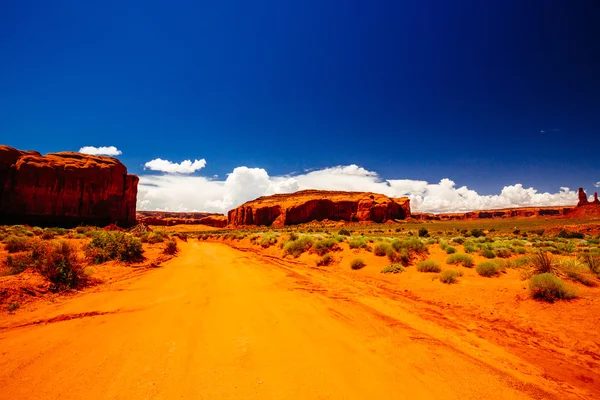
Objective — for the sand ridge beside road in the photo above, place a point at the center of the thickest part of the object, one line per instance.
(218, 323)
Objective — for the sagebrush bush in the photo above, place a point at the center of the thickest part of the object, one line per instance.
(592, 261)
(460, 258)
(358, 242)
(412, 244)
(325, 260)
(17, 263)
(382, 249)
(298, 246)
(423, 232)
(393, 269)
(477, 233)
(171, 247)
(549, 288)
(487, 269)
(450, 250)
(344, 232)
(428, 266)
(14, 244)
(323, 246)
(450, 276)
(503, 252)
(59, 263)
(487, 253)
(570, 235)
(157, 236)
(357, 263)
(267, 240)
(114, 245)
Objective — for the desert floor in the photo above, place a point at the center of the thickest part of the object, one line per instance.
(221, 323)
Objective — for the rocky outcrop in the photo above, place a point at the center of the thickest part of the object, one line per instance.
(596, 201)
(504, 213)
(583, 199)
(166, 218)
(318, 205)
(65, 189)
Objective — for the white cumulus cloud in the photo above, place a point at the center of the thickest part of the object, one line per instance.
(184, 167)
(189, 193)
(597, 184)
(101, 151)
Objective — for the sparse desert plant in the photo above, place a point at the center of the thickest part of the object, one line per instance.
(548, 287)
(487, 269)
(14, 244)
(450, 250)
(450, 276)
(325, 260)
(171, 247)
(487, 253)
(592, 261)
(357, 263)
(13, 306)
(358, 242)
(344, 232)
(156, 236)
(298, 246)
(18, 263)
(323, 246)
(570, 235)
(575, 270)
(460, 258)
(423, 232)
(268, 240)
(114, 245)
(393, 269)
(470, 248)
(542, 263)
(382, 249)
(412, 244)
(477, 233)
(503, 252)
(59, 263)
(428, 266)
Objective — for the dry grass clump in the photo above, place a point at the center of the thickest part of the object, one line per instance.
(300, 245)
(428, 266)
(325, 260)
(548, 287)
(114, 245)
(487, 269)
(393, 269)
(357, 263)
(450, 276)
(171, 247)
(460, 258)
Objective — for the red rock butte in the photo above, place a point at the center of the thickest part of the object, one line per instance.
(318, 205)
(65, 189)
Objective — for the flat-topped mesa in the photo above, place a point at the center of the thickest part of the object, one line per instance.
(168, 218)
(317, 205)
(65, 189)
(583, 200)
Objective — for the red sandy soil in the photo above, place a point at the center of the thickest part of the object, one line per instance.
(220, 323)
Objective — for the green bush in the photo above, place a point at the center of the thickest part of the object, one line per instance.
(382, 249)
(428, 266)
(357, 263)
(487, 253)
(325, 245)
(470, 248)
(268, 240)
(450, 276)
(344, 232)
(570, 235)
(325, 260)
(298, 246)
(171, 247)
(477, 233)
(17, 263)
(450, 250)
(114, 245)
(14, 244)
(548, 287)
(487, 269)
(393, 269)
(412, 244)
(460, 258)
(156, 236)
(542, 263)
(59, 263)
(423, 232)
(358, 242)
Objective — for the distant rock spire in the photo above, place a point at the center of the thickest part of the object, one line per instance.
(596, 201)
(583, 200)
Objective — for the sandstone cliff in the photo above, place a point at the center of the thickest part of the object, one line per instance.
(167, 218)
(317, 205)
(65, 189)
(501, 213)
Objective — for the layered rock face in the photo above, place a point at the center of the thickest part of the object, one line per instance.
(65, 189)
(317, 205)
(583, 200)
(165, 218)
(504, 213)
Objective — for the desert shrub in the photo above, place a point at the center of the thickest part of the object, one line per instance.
(298, 246)
(487, 269)
(268, 240)
(477, 233)
(325, 245)
(520, 250)
(458, 240)
(14, 244)
(114, 245)
(412, 244)
(181, 235)
(59, 263)
(357, 242)
(17, 263)
(357, 263)
(570, 235)
(592, 261)
(428, 266)
(393, 269)
(423, 232)
(542, 263)
(487, 253)
(460, 258)
(13, 306)
(450, 276)
(450, 250)
(575, 270)
(157, 236)
(37, 231)
(470, 248)
(503, 252)
(548, 287)
(325, 260)
(171, 247)
(344, 232)
(382, 249)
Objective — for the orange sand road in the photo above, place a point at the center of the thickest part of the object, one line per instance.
(217, 323)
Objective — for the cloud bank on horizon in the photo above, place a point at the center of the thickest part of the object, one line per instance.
(101, 151)
(175, 192)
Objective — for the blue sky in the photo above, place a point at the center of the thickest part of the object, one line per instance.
(488, 94)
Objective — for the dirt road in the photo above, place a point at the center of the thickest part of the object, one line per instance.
(217, 323)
